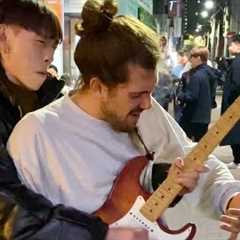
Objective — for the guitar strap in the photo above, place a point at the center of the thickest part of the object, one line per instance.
(149, 155)
(159, 171)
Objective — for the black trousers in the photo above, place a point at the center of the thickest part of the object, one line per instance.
(194, 131)
(236, 153)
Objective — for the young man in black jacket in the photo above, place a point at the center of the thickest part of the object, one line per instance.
(197, 95)
(231, 91)
(29, 35)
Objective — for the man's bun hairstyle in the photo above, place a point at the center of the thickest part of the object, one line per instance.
(96, 17)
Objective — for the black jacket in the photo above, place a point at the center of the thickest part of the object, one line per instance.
(198, 94)
(231, 91)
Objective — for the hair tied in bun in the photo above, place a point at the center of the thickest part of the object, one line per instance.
(78, 28)
(109, 8)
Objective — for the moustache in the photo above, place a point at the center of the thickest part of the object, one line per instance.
(136, 111)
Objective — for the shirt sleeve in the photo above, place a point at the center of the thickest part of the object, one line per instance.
(164, 136)
(214, 190)
(23, 146)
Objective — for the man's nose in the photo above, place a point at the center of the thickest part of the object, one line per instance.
(146, 102)
(48, 57)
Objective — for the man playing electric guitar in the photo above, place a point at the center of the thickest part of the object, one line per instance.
(76, 147)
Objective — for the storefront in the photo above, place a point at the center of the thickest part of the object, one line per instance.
(69, 11)
(57, 6)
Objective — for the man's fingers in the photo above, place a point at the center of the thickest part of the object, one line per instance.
(229, 228)
(202, 168)
(187, 178)
(141, 234)
(230, 220)
(231, 223)
(127, 234)
(179, 163)
(233, 236)
(234, 212)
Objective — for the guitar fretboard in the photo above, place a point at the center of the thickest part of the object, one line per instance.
(168, 190)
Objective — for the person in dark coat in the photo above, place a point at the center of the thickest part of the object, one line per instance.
(231, 91)
(196, 95)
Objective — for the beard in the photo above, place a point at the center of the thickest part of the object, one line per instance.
(116, 122)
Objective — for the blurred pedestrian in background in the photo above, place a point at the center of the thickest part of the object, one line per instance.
(183, 63)
(163, 91)
(196, 95)
(231, 91)
(53, 71)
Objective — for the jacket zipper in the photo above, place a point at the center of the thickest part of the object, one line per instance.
(20, 111)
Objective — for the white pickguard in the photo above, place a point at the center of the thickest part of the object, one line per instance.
(135, 219)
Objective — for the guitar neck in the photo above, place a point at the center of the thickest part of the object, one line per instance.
(168, 190)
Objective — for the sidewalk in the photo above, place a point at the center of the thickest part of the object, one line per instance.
(180, 215)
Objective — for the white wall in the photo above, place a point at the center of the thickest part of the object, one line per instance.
(73, 6)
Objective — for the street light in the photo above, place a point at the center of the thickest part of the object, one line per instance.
(204, 14)
(198, 28)
(209, 4)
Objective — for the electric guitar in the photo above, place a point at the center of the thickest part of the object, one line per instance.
(129, 205)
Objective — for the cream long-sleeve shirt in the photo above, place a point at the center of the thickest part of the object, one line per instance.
(164, 136)
(71, 158)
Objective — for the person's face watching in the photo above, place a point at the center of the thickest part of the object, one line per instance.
(195, 60)
(234, 48)
(123, 104)
(25, 56)
(53, 72)
(184, 60)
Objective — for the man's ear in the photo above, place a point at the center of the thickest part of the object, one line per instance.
(97, 87)
(3, 39)
(2, 32)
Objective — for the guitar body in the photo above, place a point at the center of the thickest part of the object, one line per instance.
(126, 204)
(126, 199)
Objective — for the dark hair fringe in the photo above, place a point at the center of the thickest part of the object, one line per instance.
(236, 38)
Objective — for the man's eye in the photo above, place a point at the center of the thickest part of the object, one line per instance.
(41, 41)
(136, 96)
